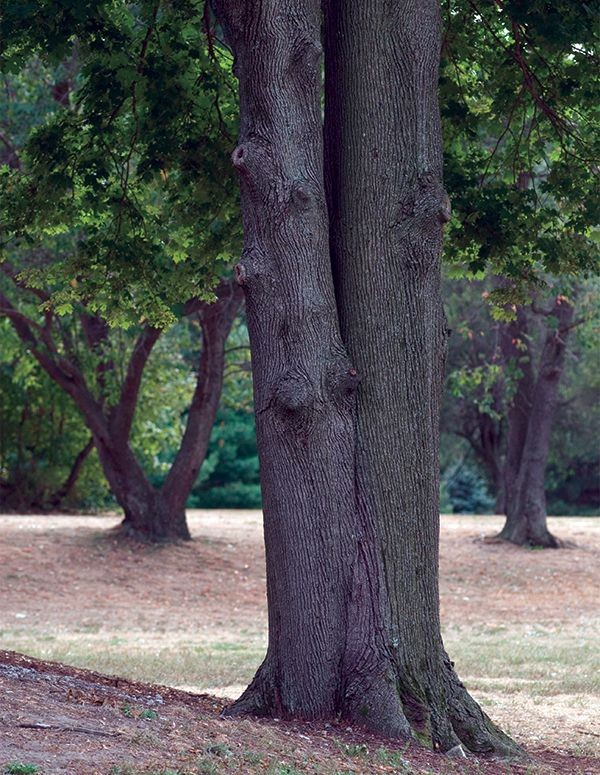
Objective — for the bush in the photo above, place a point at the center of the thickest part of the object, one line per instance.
(466, 491)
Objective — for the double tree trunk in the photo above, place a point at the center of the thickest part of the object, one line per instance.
(350, 487)
(530, 421)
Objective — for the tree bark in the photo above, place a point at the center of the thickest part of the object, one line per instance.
(350, 502)
(530, 427)
(387, 208)
(303, 381)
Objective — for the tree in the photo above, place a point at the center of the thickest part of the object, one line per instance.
(348, 336)
(108, 404)
(116, 209)
(506, 389)
(530, 418)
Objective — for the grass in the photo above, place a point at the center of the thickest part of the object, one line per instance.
(166, 659)
(542, 662)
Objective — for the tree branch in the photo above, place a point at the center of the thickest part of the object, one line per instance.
(58, 368)
(121, 418)
(216, 320)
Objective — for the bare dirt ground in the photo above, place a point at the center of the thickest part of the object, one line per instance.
(522, 626)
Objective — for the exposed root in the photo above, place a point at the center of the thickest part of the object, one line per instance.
(544, 540)
(127, 532)
(258, 699)
(472, 726)
(377, 708)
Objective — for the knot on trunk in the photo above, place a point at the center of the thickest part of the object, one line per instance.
(426, 203)
(300, 196)
(305, 57)
(251, 267)
(240, 274)
(342, 383)
(297, 401)
(238, 158)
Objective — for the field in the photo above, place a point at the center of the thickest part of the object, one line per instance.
(522, 626)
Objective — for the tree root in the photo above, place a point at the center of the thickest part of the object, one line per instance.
(126, 531)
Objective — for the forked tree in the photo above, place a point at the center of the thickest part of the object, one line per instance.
(151, 513)
(341, 272)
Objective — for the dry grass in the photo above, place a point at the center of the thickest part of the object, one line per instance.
(523, 627)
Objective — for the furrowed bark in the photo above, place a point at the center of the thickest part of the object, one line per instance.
(303, 381)
(387, 207)
(526, 517)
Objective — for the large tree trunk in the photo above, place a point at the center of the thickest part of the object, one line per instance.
(350, 510)
(303, 382)
(526, 518)
(387, 210)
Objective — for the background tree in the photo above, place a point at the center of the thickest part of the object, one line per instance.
(115, 123)
(522, 150)
(495, 368)
(107, 397)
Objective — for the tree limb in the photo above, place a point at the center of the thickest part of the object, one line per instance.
(122, 414)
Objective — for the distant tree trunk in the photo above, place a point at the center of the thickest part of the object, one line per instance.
(532, 415)
(486, 442)
(350, 503)
(65, 489)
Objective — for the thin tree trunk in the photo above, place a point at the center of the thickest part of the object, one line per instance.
(303, 381)
(387, 209)
(526, 518)
(58, 497)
